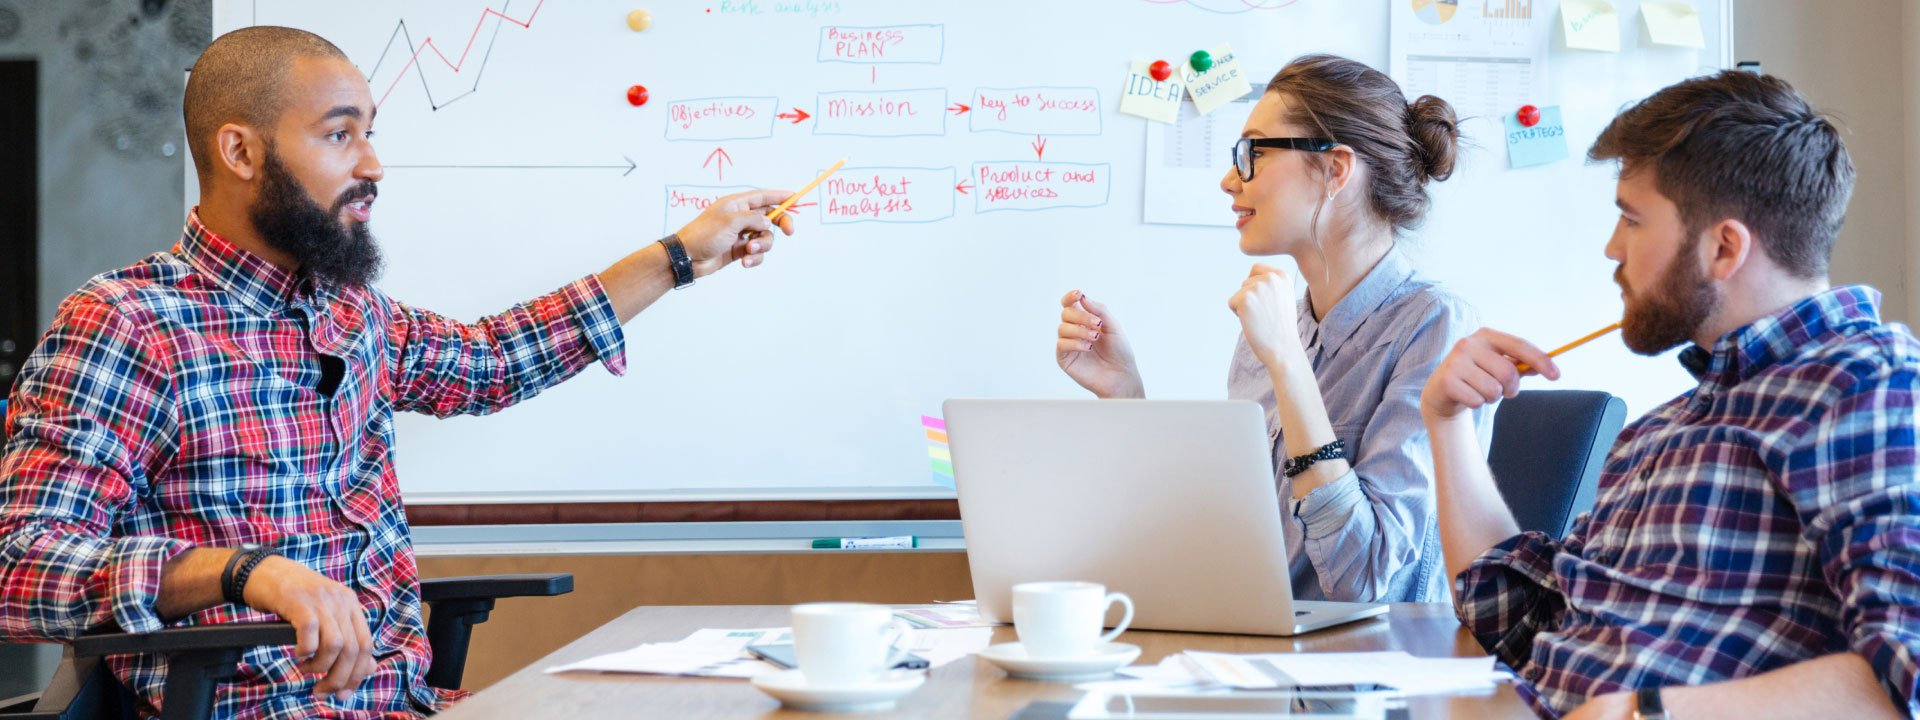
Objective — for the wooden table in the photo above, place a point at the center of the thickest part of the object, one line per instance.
(966, 688)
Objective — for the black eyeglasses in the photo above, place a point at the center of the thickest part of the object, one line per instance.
(1243, 150)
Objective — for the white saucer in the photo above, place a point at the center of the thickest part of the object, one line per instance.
(791, 688)
(1106, 658)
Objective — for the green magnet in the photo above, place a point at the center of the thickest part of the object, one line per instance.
(1201, 61)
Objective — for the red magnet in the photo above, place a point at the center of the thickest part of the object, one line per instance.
(1160, 70)
(637, 95)
(1528, 116)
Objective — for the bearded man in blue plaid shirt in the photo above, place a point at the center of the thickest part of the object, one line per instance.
(1754, 547)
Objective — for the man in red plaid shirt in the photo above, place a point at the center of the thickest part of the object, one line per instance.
(206, 437)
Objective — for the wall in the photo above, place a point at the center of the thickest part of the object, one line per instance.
(1910, 55)
(1846, 58)
(111, 141)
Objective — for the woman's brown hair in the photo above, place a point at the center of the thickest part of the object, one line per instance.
(1404, 145)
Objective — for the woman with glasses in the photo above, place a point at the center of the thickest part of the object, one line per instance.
(1330, 171)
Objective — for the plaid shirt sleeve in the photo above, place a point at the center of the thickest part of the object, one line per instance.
(91, 411)
(449, 368)
(1854, 485)
(1509, 594)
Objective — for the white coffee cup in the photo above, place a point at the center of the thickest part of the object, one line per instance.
(847, 644)
(1063, 619)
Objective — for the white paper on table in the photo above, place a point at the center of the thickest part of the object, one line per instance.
(705, 653)
(942, 617)
(1149, 687)
(723, 653)
(1406, 673)
(1175, 669)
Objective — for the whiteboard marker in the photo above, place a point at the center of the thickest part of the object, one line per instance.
(901, 542)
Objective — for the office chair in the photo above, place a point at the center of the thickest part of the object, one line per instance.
(1548, 448)
(200, 657)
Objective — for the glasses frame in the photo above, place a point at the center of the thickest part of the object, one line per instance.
(1243, 150)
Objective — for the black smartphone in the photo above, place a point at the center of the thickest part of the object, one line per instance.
(783, 656)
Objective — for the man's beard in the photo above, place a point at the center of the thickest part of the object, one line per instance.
(1669, 315)
(328, 250)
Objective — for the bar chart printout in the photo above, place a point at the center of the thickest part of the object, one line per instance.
(1485, 56)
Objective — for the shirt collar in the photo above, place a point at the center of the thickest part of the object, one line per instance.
(259, 285)
(1393, 270)
(1747, 351)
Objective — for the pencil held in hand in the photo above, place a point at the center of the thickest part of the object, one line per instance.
(1524, 369)
(775, 215)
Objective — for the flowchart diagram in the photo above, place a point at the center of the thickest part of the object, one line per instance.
(869, 193)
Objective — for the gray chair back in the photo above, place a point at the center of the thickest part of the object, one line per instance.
(1548, 448)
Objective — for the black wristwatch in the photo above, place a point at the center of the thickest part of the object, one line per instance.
(1647, 705)
(1330, 451)
(677, 260)
(233, 580)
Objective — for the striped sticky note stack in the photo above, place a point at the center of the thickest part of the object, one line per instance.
(937, 449)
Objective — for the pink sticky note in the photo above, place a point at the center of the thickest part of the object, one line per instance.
(933, 422)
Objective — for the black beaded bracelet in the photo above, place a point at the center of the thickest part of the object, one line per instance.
(1330, 451)
(233, 581)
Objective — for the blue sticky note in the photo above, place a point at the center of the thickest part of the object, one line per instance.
(1543, 143)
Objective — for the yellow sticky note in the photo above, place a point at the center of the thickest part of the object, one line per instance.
(1590, 25)
(940, 453)
(1221, 84)
(1148, 98)
(1673, 23)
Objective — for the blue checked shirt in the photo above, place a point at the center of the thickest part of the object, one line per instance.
(1372, 534)
(178, 403)
(1768, 516)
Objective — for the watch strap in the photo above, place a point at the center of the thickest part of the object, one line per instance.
(1647, 705)
(678, 261)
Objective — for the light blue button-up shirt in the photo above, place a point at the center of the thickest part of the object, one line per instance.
(1372, 535)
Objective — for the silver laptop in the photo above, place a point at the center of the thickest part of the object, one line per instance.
(1171, 502)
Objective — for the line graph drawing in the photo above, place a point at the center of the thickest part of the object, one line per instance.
(404, 35)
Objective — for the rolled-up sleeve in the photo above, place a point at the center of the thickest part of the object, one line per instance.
(86, 417)
(445, 367)
(1855, 484)
(1509, 594)
(1365, 531)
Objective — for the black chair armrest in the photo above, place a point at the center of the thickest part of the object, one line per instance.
(198, 658)
(480, 587)
(457, 604)
(176, 640)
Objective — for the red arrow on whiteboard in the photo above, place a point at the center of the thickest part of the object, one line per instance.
(797, 115)
(720, 169)
(1039, 145)
(963, 187)
(958, 108)
(795, 209)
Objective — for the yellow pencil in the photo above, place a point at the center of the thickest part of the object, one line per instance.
(1523, 368)
(775, 215)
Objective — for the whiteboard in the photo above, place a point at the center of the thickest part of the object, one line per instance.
(516, 165)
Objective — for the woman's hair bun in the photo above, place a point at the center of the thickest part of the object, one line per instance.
(1436, 137)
